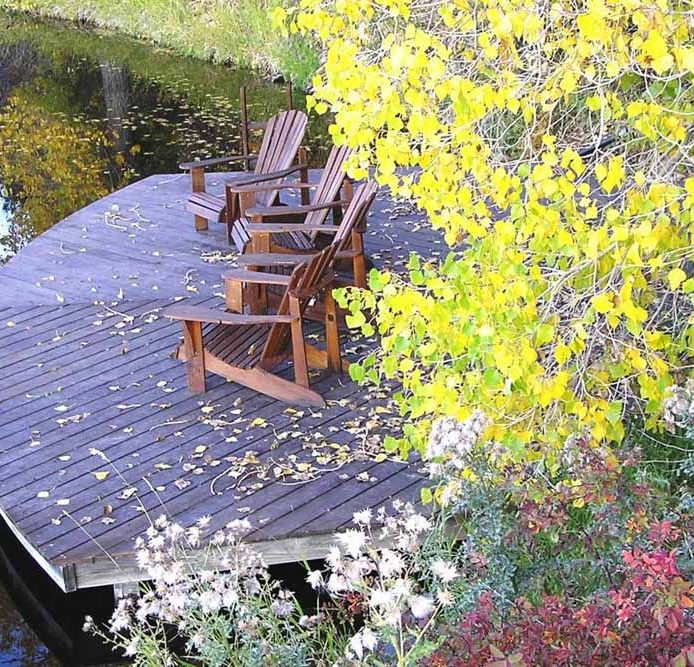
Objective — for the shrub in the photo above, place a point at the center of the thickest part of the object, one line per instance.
(556, 143)
(646, 621)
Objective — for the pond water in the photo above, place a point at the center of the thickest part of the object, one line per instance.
(83, 113)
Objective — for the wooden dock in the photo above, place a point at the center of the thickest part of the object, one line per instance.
(98, 434)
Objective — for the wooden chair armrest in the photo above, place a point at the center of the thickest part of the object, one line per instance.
(211, 162)
(212, 316)
(294, 185)
(248, 184)
(270, 211)
(273, 259)
(256, 277)
(279, 228)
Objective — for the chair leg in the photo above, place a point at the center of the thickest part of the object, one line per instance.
(231, 213)
(260, 244)
(332, 335)
(298, 347)
(359, 261)
(303, 175)
(195, 356)
(233, 296)
(197, 175)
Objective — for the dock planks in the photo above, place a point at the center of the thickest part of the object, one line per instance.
(98, 434)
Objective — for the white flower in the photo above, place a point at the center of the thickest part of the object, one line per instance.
(337, 583)
(353, 541)
(364, 639)
(390, 563)
(445, 598)
(239, 525)
(421, 605)
(177, 599)
(157, 542)
(363, 518)
(204, 521)
(88, 624)
(334, 558)
(175, 531)
(142, 558)
(252, 586)
(131, 648)
(194, 536)
(315, 579)
(120, 620)
(207, 576)
(210, 602)
(368, 639)
(310, 621)
(356, 645)
(282, 608)
(447, 572)
(230, 597)
(381, 598)
(417, 523)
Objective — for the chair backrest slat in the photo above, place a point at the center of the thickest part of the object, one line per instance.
(281, 141)
(355, 214)
(329, 186)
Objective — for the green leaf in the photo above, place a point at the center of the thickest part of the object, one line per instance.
(614, 412)
(357, 373)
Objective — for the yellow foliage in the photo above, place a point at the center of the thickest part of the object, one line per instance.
(556, 143)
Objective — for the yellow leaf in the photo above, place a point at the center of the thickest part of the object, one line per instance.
(676, 277)
(603, 303)
(101, 475)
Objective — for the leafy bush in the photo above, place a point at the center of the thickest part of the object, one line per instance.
(646, 621)
(556, 143)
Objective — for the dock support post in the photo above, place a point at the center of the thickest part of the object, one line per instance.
(124, 589)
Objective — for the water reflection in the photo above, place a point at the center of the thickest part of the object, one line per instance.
(19, 646)
(83, 113)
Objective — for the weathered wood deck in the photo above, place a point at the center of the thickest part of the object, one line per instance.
(98, 432)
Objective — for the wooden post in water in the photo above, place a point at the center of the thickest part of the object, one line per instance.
(245, 141)
(290, 97)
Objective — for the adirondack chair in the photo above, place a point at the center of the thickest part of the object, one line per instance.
(312, 212)
(246, 348)
(348, 237)
(281, 143)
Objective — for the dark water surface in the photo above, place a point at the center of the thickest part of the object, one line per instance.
(83, 113)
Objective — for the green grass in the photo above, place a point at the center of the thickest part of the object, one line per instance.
(223, 31)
